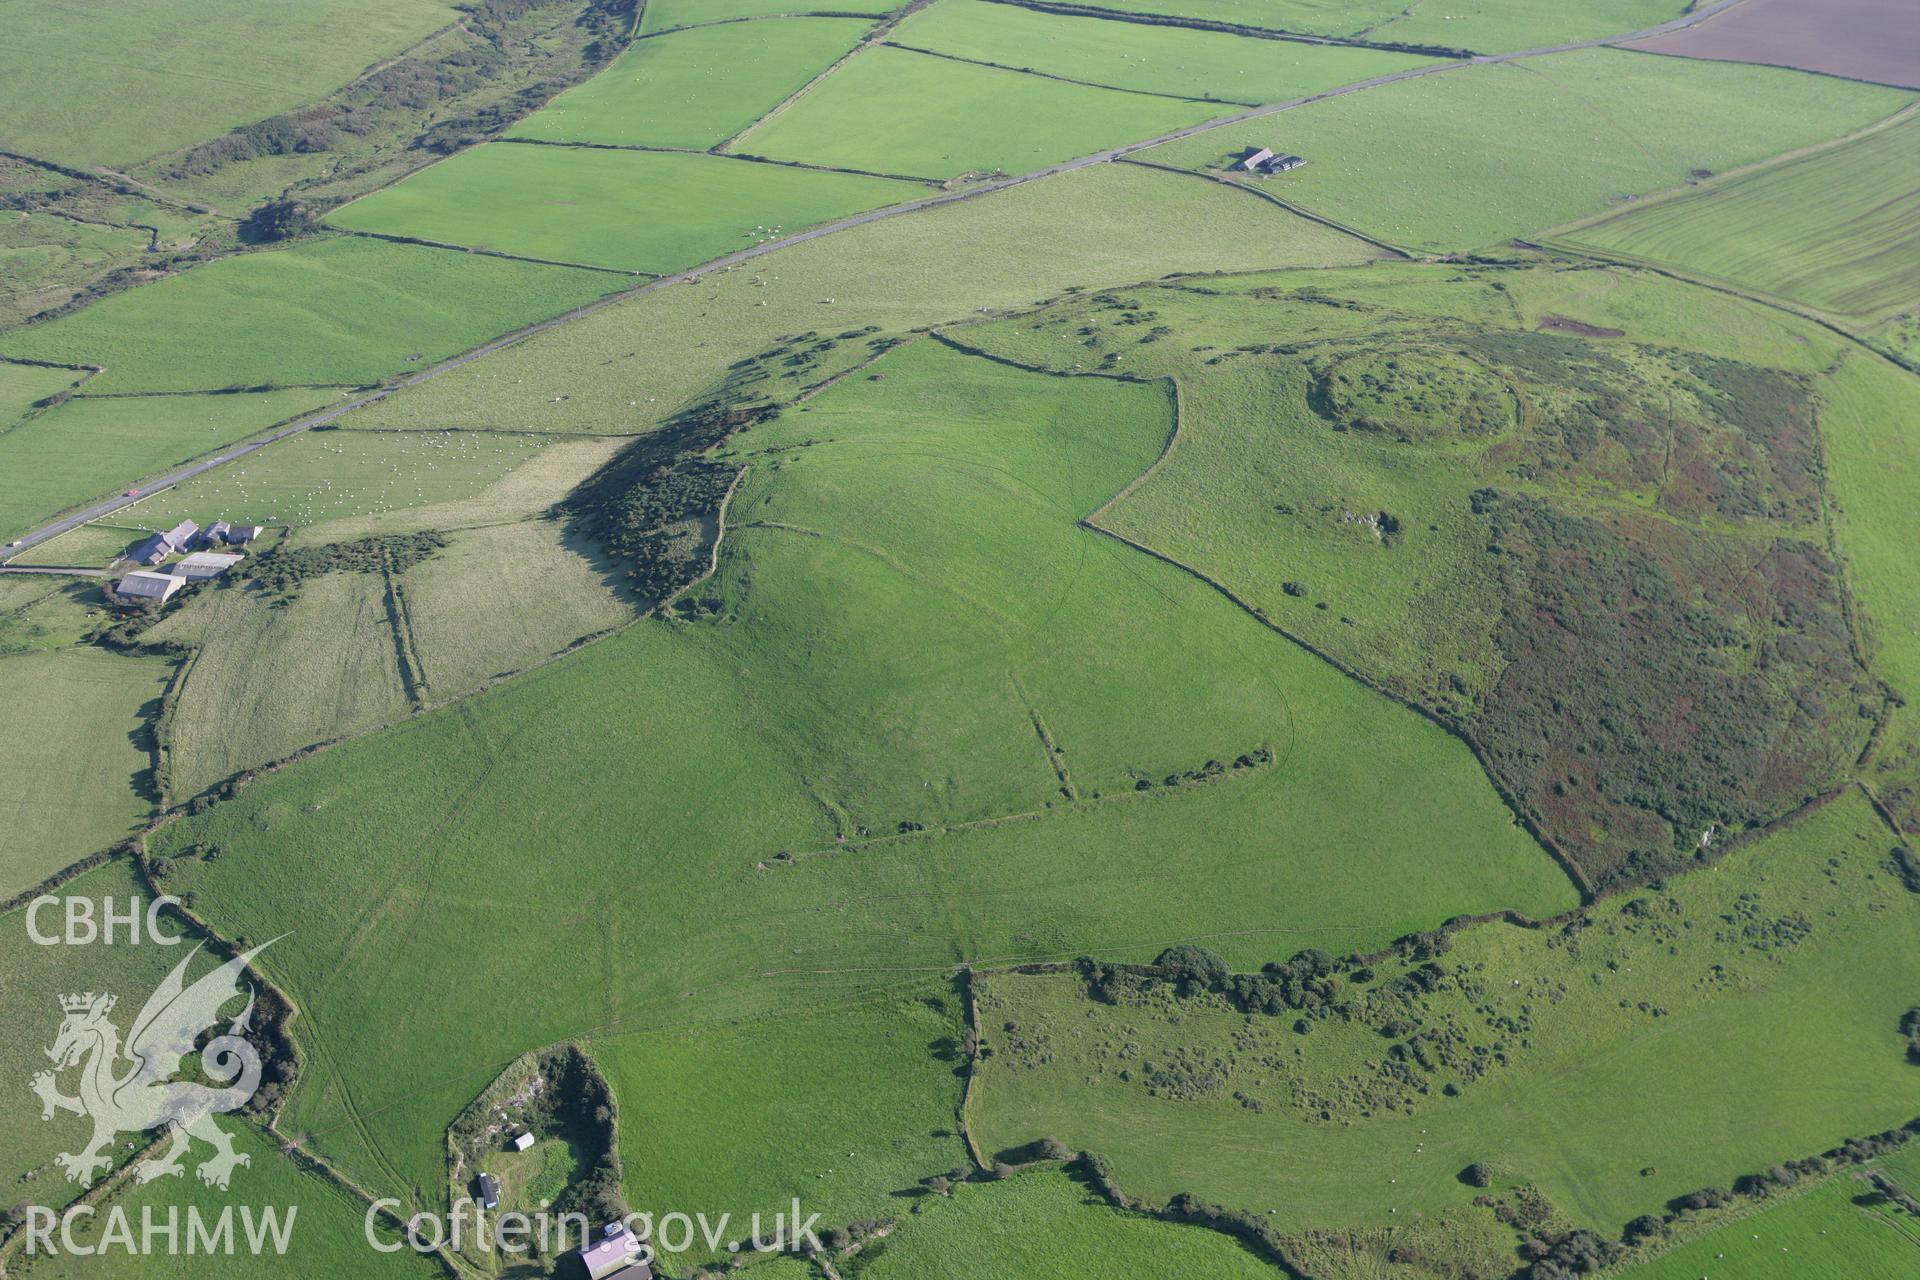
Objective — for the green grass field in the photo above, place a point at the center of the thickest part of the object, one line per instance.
(1484, 26)
(1332, 448)
(115, 85)
(465, 633)
(630, 366)
(348, 310)
(892, 111)
(93, 545)
(39, 614)
(1553, 139)
(942, 499)
(270, 680)
(324, 476)
(1633, 1069)
(665, 15)
(327, 1236)
(45, 260)
(36, 977)
(698, 88)
(71, 769)
(92, 447)
(1821, 1235)
(1875, 460)
(1045, 1223)
(634, 210)
(23, 384)
(1825, 230)
(774, 1091)
(1497, 26)
(1314, 17)
(1126, 55)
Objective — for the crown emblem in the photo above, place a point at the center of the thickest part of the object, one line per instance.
(80, 1004)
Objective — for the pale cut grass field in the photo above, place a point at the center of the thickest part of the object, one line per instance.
(268, 681)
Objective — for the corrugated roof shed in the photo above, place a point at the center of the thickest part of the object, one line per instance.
(202, 565)
(144, 585)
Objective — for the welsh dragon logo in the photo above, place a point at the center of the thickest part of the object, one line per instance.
(131, 1088)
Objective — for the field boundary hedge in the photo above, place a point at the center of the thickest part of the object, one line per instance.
(1048, 75)
(1061, 8)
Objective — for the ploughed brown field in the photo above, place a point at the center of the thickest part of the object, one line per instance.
(1877, 40)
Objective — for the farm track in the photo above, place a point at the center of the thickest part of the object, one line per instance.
(691, 274)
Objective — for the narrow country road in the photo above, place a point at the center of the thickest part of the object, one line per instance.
(149, 487)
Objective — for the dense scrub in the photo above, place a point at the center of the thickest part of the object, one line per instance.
(1445, 1090)
(651, 507)
(281, 571)
(1701, 699)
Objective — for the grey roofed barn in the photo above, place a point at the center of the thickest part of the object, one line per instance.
(142, 584)
(202, 565)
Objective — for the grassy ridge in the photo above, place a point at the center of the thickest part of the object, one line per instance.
(696, 88)
(892, 111)
(633, 210)
(1466, 158)
(1622, 1067)
(345, 310)
(1868, 408)
(961, 601)
(1835, 230)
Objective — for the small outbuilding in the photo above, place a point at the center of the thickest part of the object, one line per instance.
(240, 534)
(1280, 164)
(215, 534)
(143, 584)
(202, 565)
(1255, 157)
(487, 1189)
(522, 1142)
